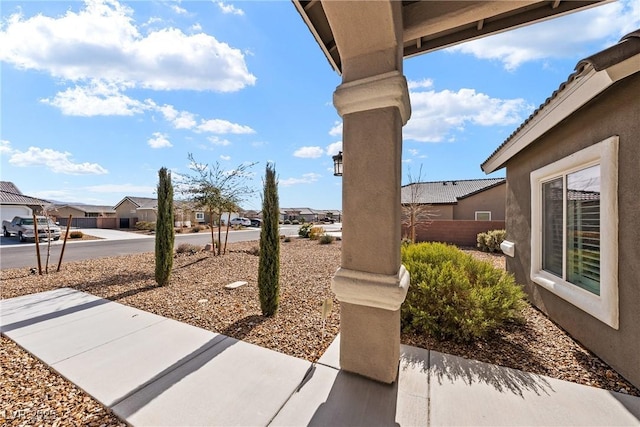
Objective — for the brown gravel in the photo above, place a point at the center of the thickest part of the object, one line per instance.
(196, 295)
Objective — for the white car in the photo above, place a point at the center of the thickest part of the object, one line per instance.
(240, 221)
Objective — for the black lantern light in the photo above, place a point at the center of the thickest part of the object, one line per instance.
(337, 164)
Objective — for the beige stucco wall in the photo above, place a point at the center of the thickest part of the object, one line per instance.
(440, 212)
(492, 200)
(616, 112)
(127, 210)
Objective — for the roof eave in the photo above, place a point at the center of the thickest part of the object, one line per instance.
(581, 91)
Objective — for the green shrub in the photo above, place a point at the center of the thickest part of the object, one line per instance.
(305, 230)
(326, 239)
(286, 221)
(269, 262)
(286, 239)
(165, 237)
(316, 232)
(75, 234)
(197, 228)
(491, 240)
(454, 296)
(295, 222)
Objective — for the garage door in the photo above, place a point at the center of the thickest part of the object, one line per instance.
(8, 212)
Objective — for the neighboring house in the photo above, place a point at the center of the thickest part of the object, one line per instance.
(310, 215)
(573, 229)
(85, 216)
(14, 203)
(82, 211)
(462, 208)
(133, 209)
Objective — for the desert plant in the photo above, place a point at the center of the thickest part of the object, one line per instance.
(145, 225)
(304, 230)
(491, 240)
(316, 232)
(164, 228)
(187, 248)
(286, 239)
(326, 239)
(454, 296)
(295, 222)
(269, 263)
(75, 234)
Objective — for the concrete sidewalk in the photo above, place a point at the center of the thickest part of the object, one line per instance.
(150, 370)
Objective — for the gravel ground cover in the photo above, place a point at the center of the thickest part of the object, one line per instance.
(196, 295)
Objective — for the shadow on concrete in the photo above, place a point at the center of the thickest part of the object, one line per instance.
(444, 367)
(631, 403)
(356, 401)
(53, 315)
(139, 397)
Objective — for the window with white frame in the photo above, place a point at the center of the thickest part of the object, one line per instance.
(574, 236)
(199, 216)
(483, 215)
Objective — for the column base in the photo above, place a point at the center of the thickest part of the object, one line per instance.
(370, 341)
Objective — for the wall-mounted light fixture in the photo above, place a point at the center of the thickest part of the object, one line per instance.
(337, 164)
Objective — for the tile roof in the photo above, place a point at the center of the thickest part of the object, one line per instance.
(10, 195)
(446, 192)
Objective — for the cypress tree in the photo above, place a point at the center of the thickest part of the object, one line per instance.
(269, 267)
(164, 228)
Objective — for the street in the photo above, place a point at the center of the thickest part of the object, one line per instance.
(16, 255)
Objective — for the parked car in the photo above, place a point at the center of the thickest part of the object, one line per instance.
(240, 221)
(256, 222)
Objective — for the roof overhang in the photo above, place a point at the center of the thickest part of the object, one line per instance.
(594, 75)
(433, 25)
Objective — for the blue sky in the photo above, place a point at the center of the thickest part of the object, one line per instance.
(96, 96)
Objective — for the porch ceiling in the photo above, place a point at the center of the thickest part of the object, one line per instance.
(432, 25)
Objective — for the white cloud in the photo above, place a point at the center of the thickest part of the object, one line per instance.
(309, 152)
(218, 141)
(335, 148)
(424, 83)
(55, 161)
(179, 10)
(229, 8)
(307, 178)
(179, 119)
(102, 41)
(435, 115)
(159, 140)
(336, 130)
(223, 126)
(99, 98)
(5, 147)
(413, 151)
(558, 38)
(225, 158)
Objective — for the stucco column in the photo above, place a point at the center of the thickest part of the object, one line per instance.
(371, 284)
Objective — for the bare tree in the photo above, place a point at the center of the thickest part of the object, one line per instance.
(415, 212)
(216, 190)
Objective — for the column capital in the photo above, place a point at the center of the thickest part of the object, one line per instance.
(371, 289)
(384, 90)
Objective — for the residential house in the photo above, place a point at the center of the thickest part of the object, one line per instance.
(133, 209)
(573, 230)
(14, 203)
(461, 208)
(85, 216)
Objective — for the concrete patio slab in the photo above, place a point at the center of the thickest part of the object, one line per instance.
(490, 395)
(330, 397)
(16, 313)
(151, 370)
(119, 368)
(232, 384)
(67, 339)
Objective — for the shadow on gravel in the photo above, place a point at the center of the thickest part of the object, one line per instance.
(241, 328)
